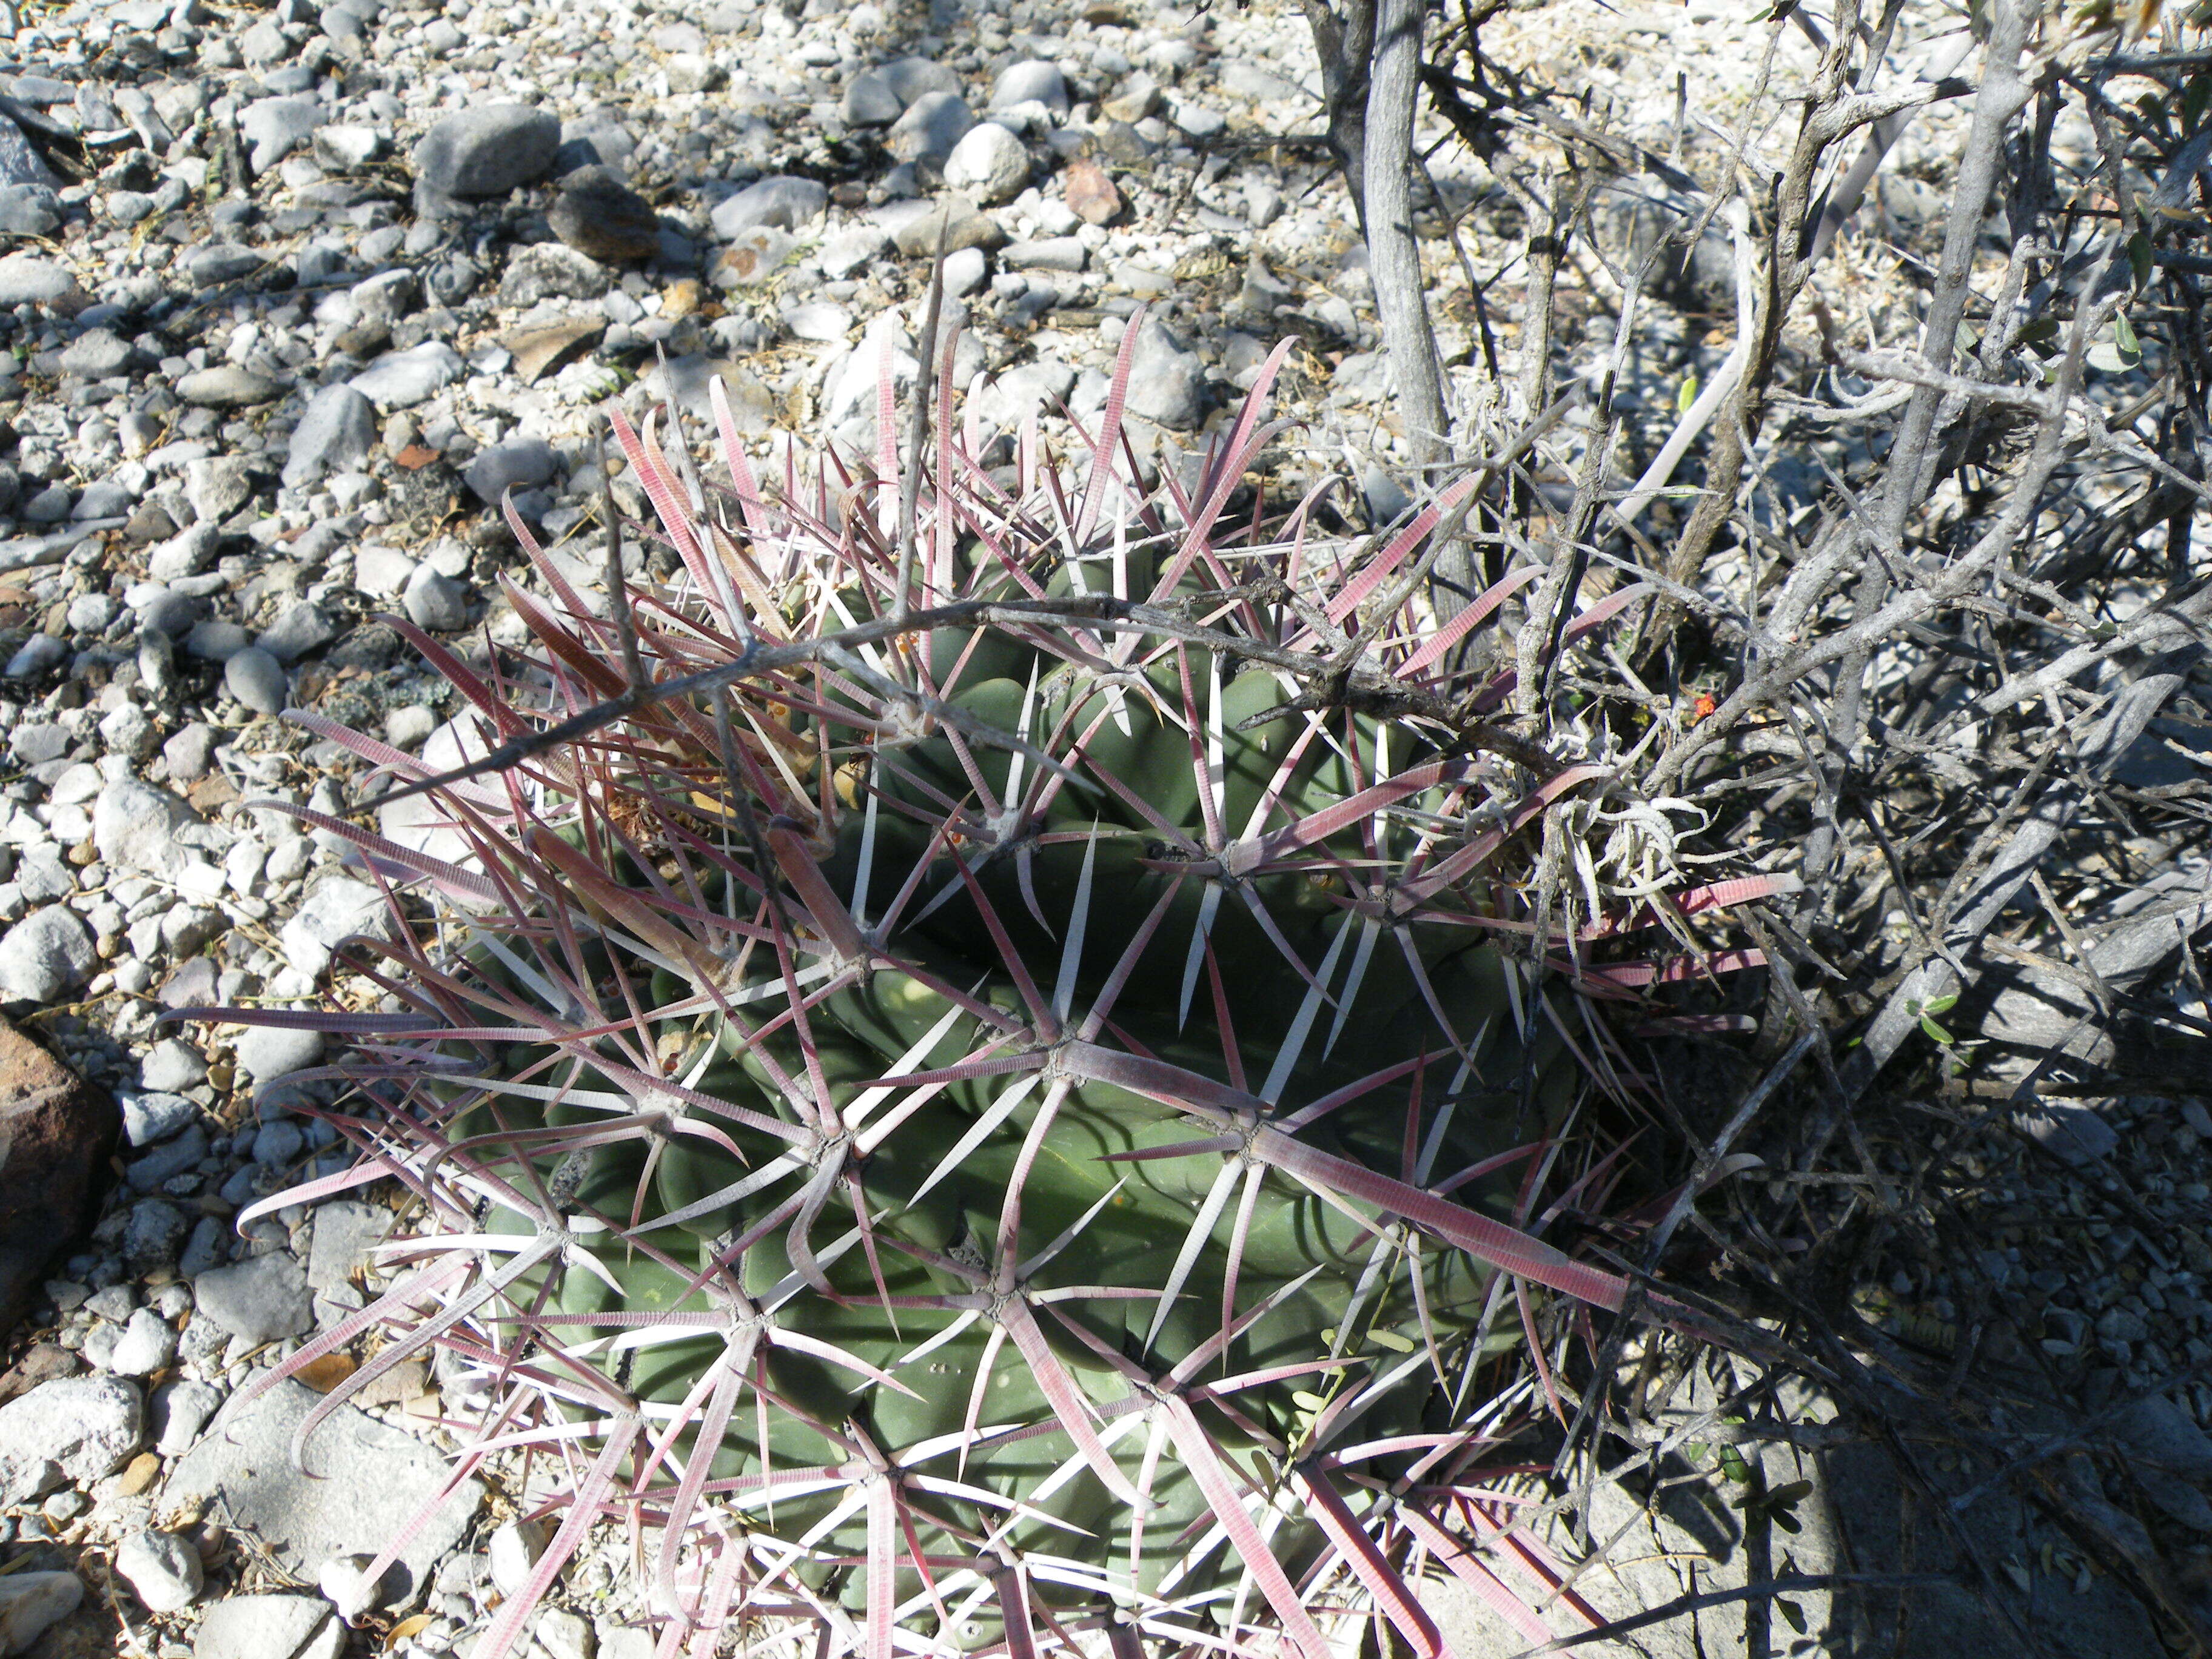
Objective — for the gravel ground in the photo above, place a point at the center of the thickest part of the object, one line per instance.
(338, 278)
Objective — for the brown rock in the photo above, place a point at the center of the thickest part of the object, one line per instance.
(538, 349)
(681, 298)
(57, 1133)
(138, 1474)
(1138, 97)
(326, 1373)
(1122, 142)
(1090, 194)
(408, 1380)
(151, 522)
(41, 1363)
(598, 215)
(964, 226)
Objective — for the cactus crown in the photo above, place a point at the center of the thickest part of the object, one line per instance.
(962, 1068)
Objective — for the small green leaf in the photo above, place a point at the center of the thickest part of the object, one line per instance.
(2139, 260)
(2195, 98)
(1939, 1004)
(2120, 353)
(1687, 395)
(1935, 1033)
(1732, 1464)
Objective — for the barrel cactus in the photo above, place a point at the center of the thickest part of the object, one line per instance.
(959, 1074)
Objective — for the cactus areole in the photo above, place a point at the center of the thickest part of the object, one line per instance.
(983, 1112)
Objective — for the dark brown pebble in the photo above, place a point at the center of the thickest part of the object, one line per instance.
(598, 215)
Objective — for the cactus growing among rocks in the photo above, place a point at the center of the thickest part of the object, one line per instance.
(962, 1076)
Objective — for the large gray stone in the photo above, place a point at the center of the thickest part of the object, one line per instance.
(384, 298)
(2170, 1458)
(932, 125)
(275, 127)
(72, 1429)
(869, 100)
(162, 1568)
(1167, 382)
(19, 163)
(1038, 388)
(262, 1299)
(300, 626)
(1048, 253)
(425, 824)
(990, 161)
(551, 271)
(218, 485)
(256, 679)
(96, 354)
(334, 912)
(25, 279)
(1035, 82)
(152, 1234)
(489, 151)
(173, 1063)
(260, 1626)
(135, 827)
(336, 433)
(436, 602)
(524, 464)
(346, 1231)
(152, 1114)
(373, 1480)
(31, 1603)
(171, 1159)
(182, 1410)
(850, 251)
(400, 380)
(48, 952)
(227, 386)
(265, 1053)
(752, 257)
(29, 210)
(147, 1345)
(186, 553)
(786, 203)
(909, 78)
(222, 262)
(2036, 1008)
(595, 138)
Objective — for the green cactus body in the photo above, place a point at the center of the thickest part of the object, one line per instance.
(1107, 872)
(987, 1148)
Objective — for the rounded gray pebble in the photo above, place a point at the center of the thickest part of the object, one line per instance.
(256, 679)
